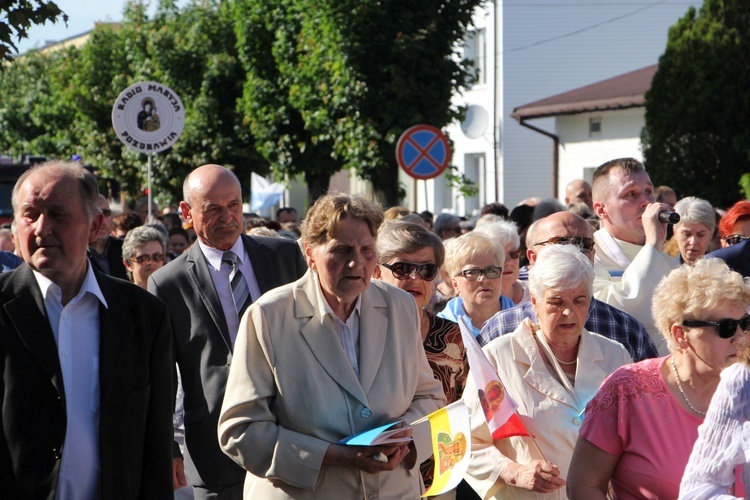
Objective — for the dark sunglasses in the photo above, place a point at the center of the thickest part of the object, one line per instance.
(733, 239)
(473, 274)
(157, 257)
(726, 327)
(409, 270)
(584, 244)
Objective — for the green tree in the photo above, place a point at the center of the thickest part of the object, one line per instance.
(697, 136)
(17, 16)
(332, 84)
(60, 103)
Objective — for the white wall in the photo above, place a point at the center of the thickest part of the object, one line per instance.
(581, 153)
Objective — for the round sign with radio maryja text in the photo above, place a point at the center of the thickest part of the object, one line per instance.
(148, 117)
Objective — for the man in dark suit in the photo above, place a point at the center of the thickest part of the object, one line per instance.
(736, 256)
(198, 288)
(105, 251)
(87, 374)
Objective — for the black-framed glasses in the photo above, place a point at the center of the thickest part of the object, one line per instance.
(474, 273)
(156, 257)
(733, 239)
(584, 244)
(725, 327)
(409, 270)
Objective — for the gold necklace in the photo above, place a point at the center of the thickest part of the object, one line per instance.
(682, 391)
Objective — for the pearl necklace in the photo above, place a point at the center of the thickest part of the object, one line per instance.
(682, 391)
(565, 362)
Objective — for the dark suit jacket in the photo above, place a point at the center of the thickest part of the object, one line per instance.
(136, 399)
(737, 257)
(204, 349)
(114, 259)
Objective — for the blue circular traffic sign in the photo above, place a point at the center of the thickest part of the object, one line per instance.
(423, 151)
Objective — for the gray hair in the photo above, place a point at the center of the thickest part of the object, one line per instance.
(696, 210)
(138, 237)
(444, 221)
(398, 238)
(560, 268)
(88, 188)
(460, 250)
(503, 231)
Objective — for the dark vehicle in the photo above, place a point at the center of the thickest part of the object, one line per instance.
(10, 172)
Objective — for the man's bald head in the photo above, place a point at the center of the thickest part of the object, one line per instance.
(579, 190)
(558, 225)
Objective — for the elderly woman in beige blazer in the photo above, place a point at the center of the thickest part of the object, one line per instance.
(551, 369)
(325, 357)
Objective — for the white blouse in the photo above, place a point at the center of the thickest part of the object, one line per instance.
(723, 441)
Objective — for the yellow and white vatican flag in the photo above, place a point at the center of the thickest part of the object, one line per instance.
(450, 437)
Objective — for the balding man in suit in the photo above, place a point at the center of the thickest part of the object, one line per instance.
(207, 288)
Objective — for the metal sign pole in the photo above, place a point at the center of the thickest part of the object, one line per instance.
(150, 156)
(426, 195)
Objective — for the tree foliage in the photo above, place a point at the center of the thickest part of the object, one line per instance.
(697, 137)
(60, 103)
(17, 16)
(332, 84)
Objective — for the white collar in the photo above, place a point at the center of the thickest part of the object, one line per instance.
(89, 285)
(214, 255)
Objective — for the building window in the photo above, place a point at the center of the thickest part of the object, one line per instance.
(474, 170)
(595, 127)
(475, 50)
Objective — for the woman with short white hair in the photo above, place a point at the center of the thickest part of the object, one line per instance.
(551, 369)
(505, 232)
(475, 264)
(696, 228)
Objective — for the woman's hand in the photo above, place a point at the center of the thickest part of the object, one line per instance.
(369, 458)
(539, 476)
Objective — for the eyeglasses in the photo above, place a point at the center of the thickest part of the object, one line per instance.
(513, 254)
(473, 274)
(726, 327)
(409, 270)
(157, 257)
(584, 244)
(733, 239)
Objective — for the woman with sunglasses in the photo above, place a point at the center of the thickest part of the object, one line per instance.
(640, 428)
(410, 257)
(475, 264)
(143, 252)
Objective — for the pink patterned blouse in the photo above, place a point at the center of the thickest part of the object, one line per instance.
(634, 417)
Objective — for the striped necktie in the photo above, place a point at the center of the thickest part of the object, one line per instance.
(240, 290)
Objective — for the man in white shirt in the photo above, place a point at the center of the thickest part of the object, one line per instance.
(87, 378)
(629, 260)
(201, 289)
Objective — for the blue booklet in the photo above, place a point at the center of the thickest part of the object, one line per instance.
(379, 435)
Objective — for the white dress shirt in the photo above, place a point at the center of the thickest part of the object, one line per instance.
(76, 330)
(347, 331)
(220, 277)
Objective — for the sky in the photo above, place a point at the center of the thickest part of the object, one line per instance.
(82, 14)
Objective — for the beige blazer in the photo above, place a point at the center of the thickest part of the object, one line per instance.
(548, 409)
(292, 391)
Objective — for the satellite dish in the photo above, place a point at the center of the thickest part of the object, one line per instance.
(475, 123)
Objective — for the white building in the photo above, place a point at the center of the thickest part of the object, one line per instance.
(527, 50)
(593, 124)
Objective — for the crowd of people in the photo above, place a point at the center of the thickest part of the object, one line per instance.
(244, 350)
